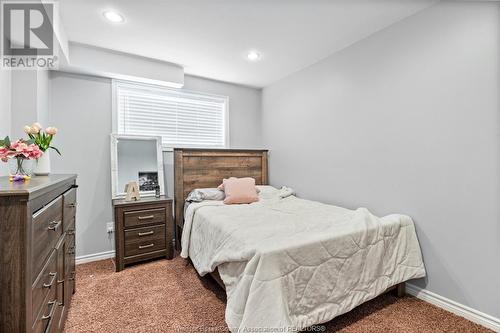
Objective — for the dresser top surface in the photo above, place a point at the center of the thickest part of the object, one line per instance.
(35, 184)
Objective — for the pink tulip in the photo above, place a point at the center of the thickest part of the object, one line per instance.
(51, 130)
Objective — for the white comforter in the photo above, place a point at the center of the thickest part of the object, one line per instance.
(290, 263)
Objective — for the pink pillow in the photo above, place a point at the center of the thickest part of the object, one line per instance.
(221, 186)
(239, 190)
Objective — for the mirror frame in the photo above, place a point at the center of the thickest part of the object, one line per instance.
(114, 163)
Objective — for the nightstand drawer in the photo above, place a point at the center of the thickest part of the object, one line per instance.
(144, 217)
(135, 244)
(144, 233)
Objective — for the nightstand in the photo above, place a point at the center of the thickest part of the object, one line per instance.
(143, 230)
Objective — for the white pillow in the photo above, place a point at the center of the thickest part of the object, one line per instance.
(286, 192)
(201, 194)
(269, 192)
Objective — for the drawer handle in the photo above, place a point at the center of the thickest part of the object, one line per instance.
(148, 217)
(49, 285)
(146, 246)
(70, 232)
(54, 225)
(72, 205)
(52, 309)
(146, 233)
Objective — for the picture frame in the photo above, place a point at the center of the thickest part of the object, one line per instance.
(148, 180)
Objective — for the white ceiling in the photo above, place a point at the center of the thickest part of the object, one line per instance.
(211, 38)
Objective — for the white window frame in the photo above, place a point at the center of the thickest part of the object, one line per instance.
(114, 110)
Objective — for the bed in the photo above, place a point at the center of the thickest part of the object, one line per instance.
(286, 263)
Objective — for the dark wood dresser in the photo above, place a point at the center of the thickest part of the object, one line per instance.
(37, 253)
(144, 230)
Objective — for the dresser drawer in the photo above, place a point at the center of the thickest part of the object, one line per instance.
(45, 283)
(70, 256)
(69, 265)
(45, 321)
(144, 217)
(46, 230)
(69, 211)
(71, 230)
(136, 245)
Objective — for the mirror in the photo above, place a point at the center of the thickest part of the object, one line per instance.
(138, 159)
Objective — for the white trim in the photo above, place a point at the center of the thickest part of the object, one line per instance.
(114, 107)
(114, 163)
(454, 307)
(95, 257)
(227, 125)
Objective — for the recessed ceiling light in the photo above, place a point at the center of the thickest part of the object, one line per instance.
(113, 16)
(254, 56)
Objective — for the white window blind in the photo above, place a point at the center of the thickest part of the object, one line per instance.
(182, 119)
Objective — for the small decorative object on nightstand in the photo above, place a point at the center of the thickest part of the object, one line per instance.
(132, 192)
(144, 230)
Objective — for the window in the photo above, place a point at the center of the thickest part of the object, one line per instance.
(181, 118)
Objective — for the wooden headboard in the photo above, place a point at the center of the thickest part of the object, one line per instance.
(202, 168)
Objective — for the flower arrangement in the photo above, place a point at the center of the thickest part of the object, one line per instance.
(19, 152)
(22, 154)
(42, 138)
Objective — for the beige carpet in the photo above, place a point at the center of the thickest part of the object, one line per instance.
(168, 296)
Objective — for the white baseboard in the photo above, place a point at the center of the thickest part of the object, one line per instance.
(454, 307)
(95, 257)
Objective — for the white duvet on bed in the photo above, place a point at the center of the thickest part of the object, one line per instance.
(290, 263)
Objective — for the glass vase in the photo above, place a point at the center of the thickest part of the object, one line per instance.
(19, 166)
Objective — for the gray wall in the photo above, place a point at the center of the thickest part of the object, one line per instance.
(24, 99)
(81, 109)
(30, 100)
(5, 103)
(43, 97)
(406, 121)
